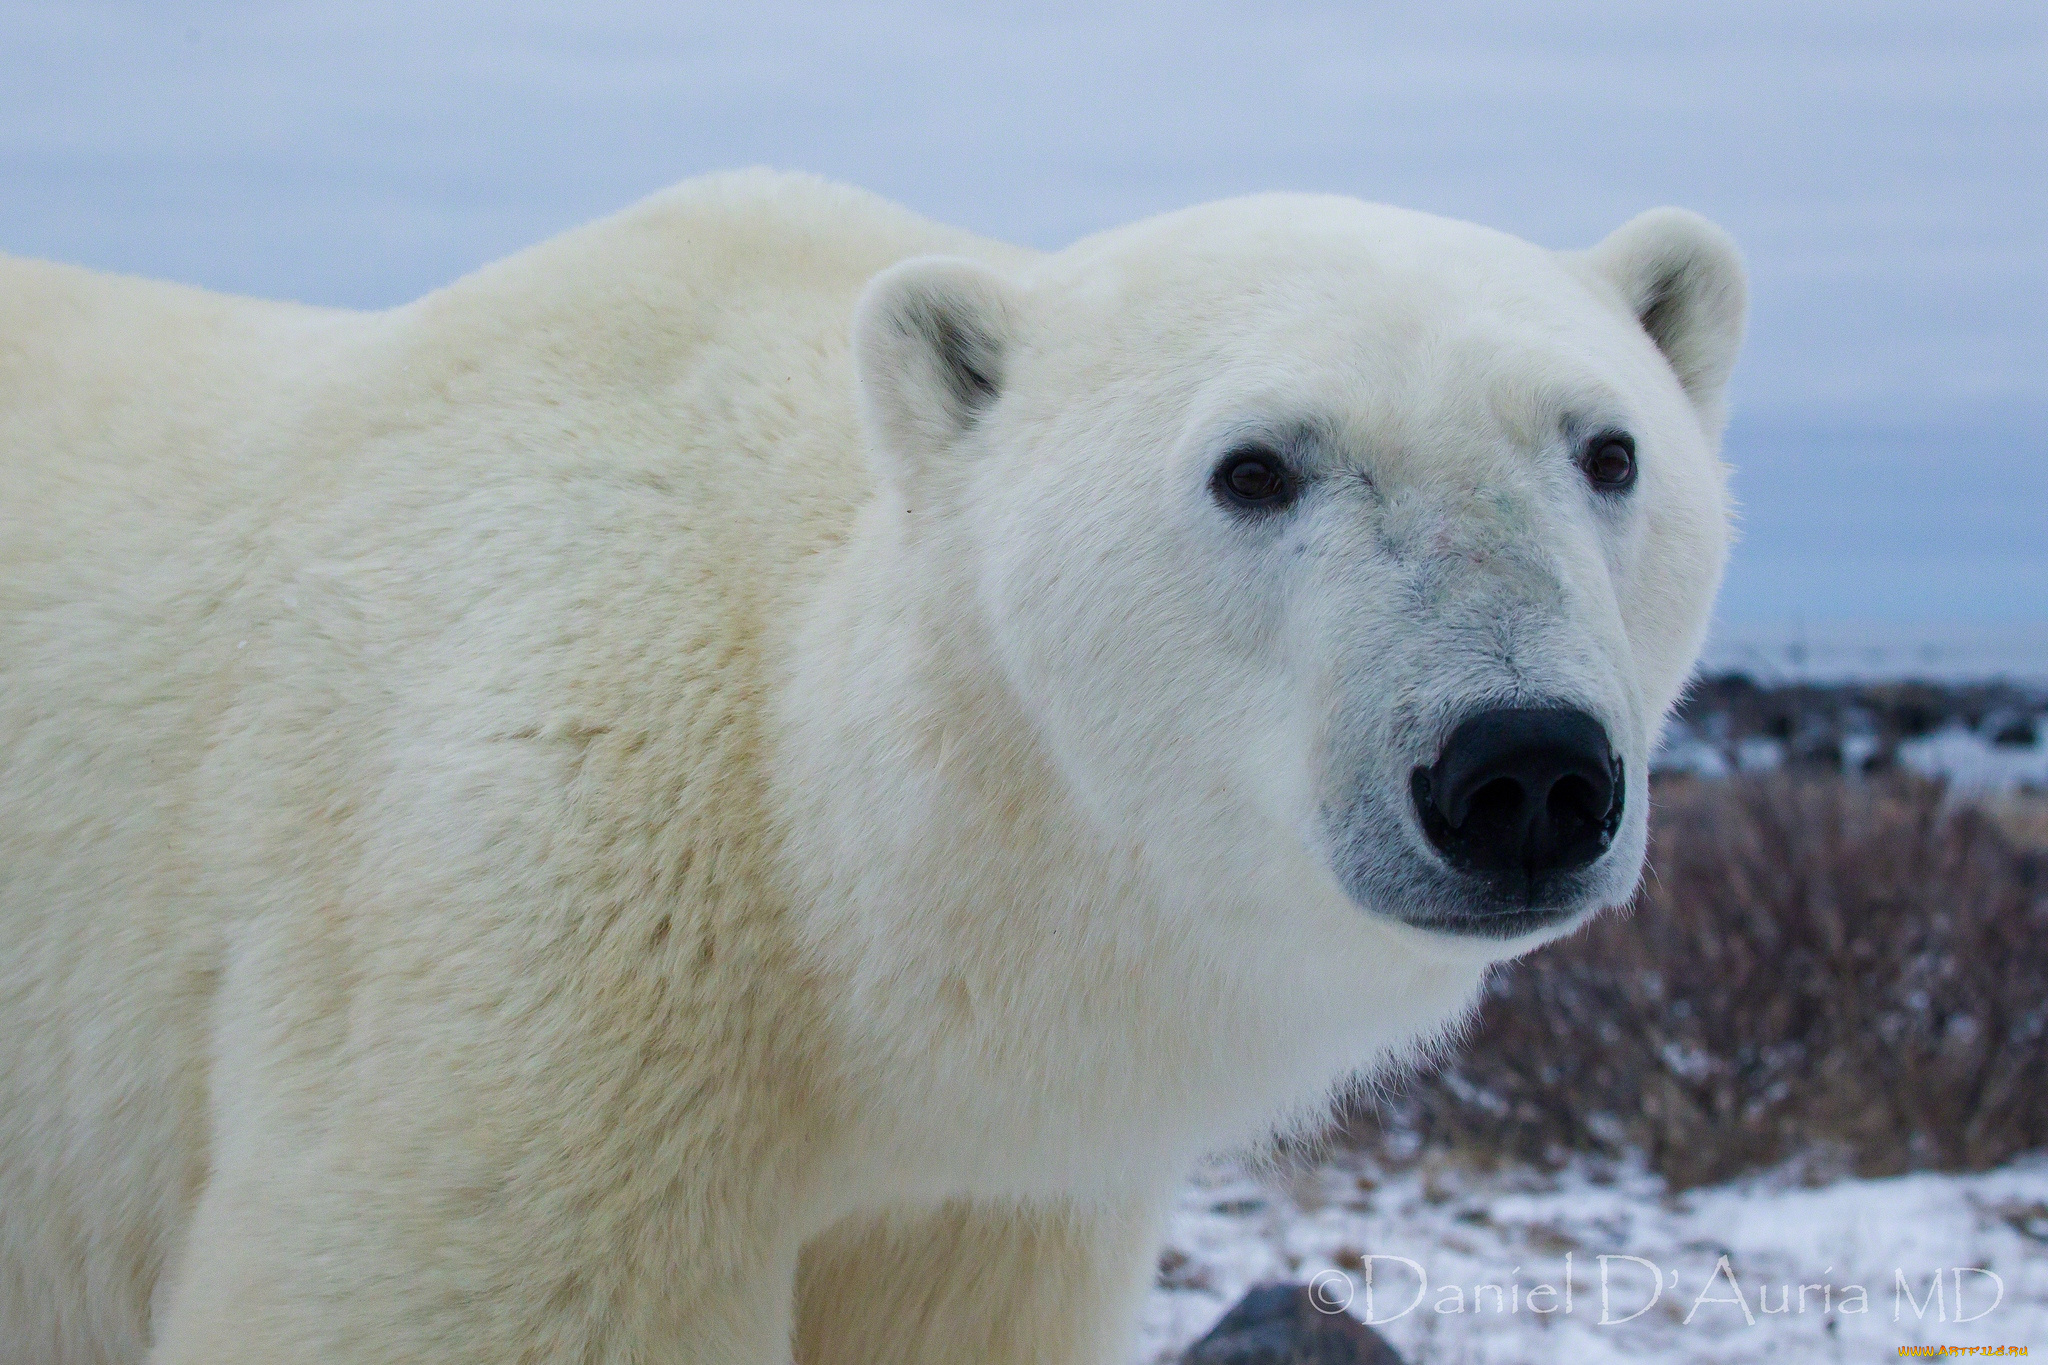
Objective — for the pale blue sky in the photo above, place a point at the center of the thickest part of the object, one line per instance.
(1885, 165)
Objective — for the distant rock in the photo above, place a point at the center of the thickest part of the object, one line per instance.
(1282, 1324)
(1984, 736)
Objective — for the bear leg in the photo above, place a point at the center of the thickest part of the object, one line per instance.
(267, 1278)
(978, 1284)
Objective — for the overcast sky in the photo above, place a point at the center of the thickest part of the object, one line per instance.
(1885, 165)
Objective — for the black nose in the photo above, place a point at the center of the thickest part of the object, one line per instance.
(1522, 790)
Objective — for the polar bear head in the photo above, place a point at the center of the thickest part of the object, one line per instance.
(1340, 555)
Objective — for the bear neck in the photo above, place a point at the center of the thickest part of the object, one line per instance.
(1021, 995)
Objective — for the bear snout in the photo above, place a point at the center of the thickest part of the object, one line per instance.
(1520, 797)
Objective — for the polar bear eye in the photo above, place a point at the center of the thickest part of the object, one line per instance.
(1610, 461)
(1254, 477)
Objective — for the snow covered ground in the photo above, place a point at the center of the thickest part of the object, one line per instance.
(1765, 1270)
(1968, 761)
(1972, 765)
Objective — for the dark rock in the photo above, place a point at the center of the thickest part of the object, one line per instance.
(1283, 1324)
(1816, 722)
(2011, 731)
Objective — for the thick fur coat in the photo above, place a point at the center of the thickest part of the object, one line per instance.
(723, 789)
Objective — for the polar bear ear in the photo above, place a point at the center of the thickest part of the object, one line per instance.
(929, 340)
(1683, 280)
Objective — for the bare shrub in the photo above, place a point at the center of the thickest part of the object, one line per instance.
(1851, 974)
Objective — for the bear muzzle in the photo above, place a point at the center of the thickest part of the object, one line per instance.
(1521, 798)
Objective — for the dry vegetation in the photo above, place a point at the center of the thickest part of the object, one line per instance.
(1852, 975)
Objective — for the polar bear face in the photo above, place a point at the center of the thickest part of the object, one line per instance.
(1344, 558)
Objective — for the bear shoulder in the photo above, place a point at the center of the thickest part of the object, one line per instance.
(688, 254)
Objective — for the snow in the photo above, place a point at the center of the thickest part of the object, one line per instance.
(1970, 763)
(1966, 759)
(1491, 1245)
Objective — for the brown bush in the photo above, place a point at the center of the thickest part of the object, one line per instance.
(1849, 974)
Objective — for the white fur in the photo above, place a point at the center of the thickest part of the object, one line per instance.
(590, 817)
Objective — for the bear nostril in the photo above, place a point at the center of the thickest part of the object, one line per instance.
(1498, 801)
(1573, 798)
(1522, 790)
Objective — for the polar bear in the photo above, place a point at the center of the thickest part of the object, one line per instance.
(757, 781)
